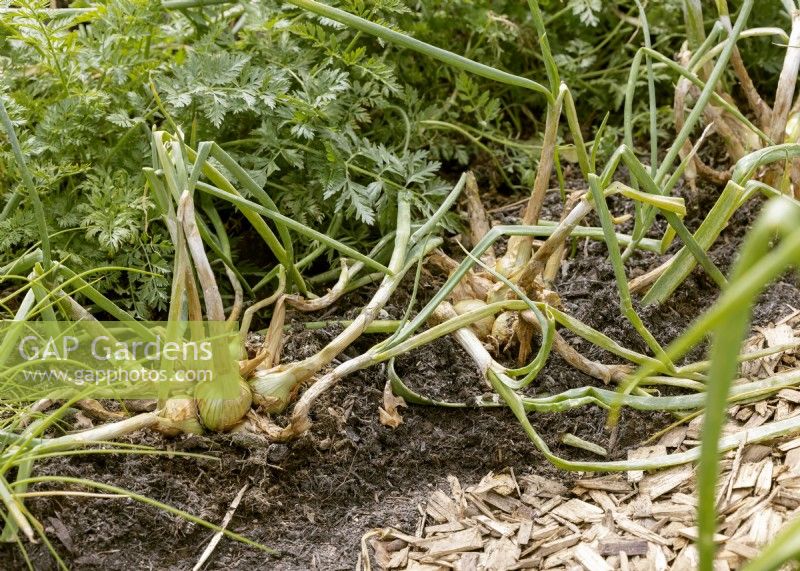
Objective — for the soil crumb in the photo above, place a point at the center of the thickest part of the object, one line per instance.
(314, 498)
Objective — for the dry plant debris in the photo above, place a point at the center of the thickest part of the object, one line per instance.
(643, 521)
(620, 521)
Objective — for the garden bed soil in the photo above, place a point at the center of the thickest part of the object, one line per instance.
(314, 498)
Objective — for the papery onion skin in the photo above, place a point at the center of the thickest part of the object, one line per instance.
(272, 389)
(482, 327)
(503, 328)
(180, 417)
(219, 414)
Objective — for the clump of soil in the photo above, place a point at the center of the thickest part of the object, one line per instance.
(314, 498)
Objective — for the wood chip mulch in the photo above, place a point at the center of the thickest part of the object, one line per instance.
(632, 520)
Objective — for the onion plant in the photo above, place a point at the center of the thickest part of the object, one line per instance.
(22, 436)
(483, 303)
(517, 273)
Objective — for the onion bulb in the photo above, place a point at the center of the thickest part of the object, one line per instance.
(481, 327)
(180, 416)
(220, 414)
(503, 328)
(272, 389)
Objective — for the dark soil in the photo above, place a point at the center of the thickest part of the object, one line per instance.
(313, 499)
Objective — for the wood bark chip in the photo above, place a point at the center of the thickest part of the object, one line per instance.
(635, 520)
(466, 540)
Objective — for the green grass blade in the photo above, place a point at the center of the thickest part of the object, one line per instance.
(27, 179)
(449, 58)
(243, 203)
(626, 302)
(729, 334)
(784, 548)
(651, 91)
(684, 262)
